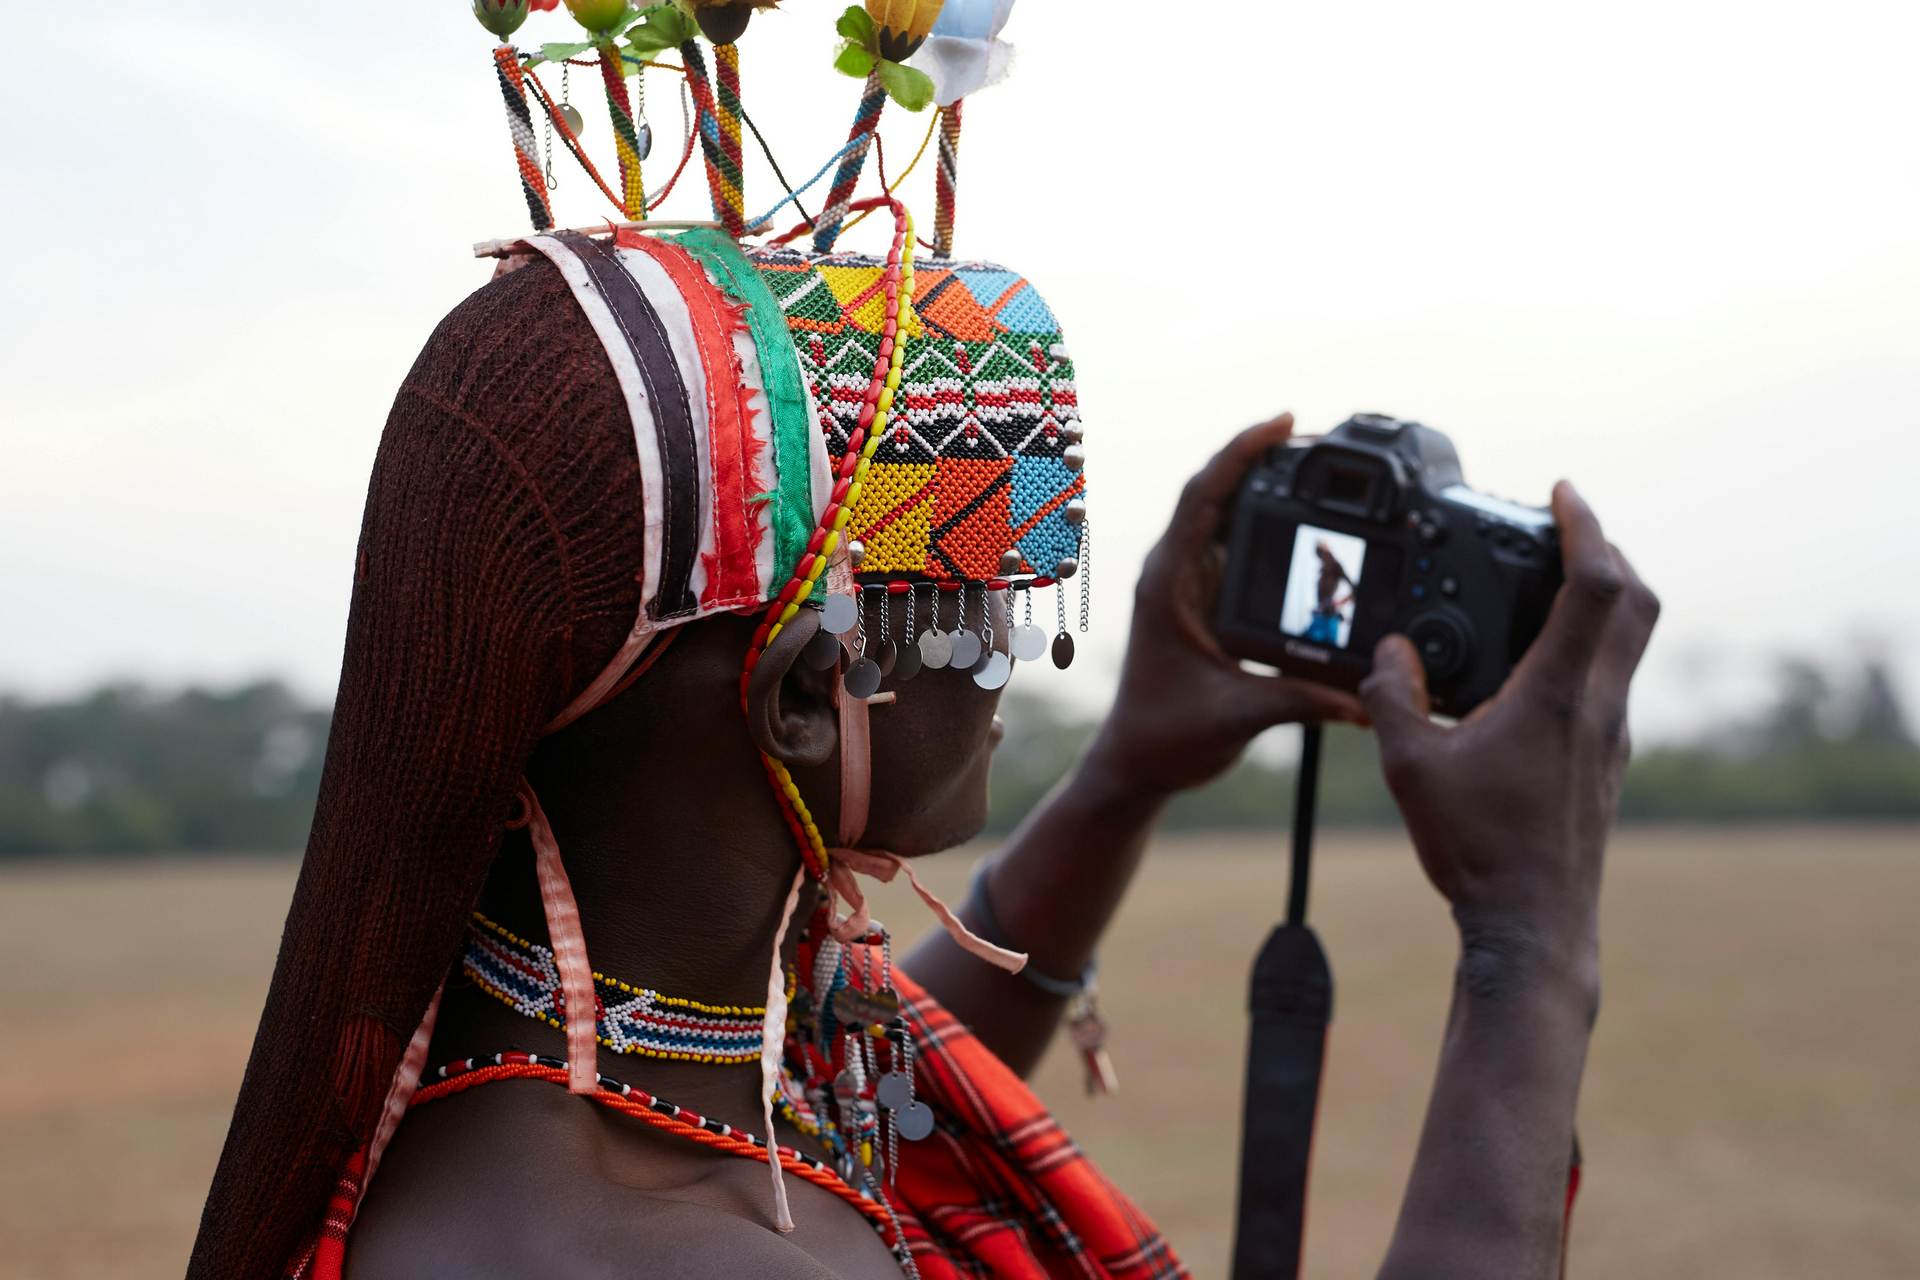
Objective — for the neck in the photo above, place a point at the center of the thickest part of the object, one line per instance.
(681, 865)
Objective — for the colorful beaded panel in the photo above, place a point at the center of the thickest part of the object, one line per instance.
(630, 1019)
(978, 457)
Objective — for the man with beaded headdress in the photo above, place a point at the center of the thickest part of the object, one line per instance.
(688, 578)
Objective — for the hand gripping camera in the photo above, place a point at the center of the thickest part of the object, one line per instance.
(1337, 541)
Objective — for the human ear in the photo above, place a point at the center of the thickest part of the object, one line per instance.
(790, 709)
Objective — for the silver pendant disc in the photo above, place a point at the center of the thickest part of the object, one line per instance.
(823, 651)
(889, 657)
(966, 650)
(1029, 643)
(907, 665)
(838, 614)
(936, 648)
(994, 670)
(894, 1091)
(863, 678)
(914, 1121)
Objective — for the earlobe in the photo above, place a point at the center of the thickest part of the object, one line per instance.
(790, 704)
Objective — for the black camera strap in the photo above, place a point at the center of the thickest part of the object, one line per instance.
(1290, 1000)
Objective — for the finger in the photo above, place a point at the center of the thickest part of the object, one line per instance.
(1559, 661)
(1196, 518)
(1265, 701)
(1395, 696)
(1628, 631)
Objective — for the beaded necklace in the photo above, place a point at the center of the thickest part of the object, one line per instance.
(634, 1020)
(469, 1073)
(847, 1073)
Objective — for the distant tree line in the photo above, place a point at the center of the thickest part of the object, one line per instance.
(128, 770)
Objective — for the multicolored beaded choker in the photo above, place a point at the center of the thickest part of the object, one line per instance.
(629, 1019)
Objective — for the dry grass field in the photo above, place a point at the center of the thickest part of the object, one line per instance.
(1752, 1108)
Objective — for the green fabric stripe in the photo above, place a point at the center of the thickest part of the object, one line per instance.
(793, 515)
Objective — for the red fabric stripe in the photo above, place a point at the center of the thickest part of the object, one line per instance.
(732, 577)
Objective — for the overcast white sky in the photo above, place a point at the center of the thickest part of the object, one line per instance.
(1670, 250)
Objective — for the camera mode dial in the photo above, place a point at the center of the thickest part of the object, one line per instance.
(1445, 641)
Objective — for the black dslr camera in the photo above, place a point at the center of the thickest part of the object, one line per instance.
(1369, 530)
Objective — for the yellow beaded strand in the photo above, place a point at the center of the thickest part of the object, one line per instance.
(883, 407)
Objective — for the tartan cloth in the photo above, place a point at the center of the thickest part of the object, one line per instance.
(997, 1190)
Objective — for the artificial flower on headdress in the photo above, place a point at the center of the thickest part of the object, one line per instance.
(725, 21)
(502, 17)
(964, 51)
(605, 18)
(663, 27)
(881, 37)
(602, 17)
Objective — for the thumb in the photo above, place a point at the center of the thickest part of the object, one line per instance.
(1396, 693)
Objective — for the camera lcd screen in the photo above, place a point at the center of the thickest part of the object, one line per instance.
(1323, 580)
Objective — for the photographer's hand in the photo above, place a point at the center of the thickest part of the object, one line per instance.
(1509, 812)
(1186, 710)
(1184, 713)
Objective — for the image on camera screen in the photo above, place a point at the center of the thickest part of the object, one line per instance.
(1321, 583)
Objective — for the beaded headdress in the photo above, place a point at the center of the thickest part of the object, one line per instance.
(816, 428)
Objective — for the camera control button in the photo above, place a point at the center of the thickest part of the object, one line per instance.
(1443, 643)
(1431, 532)
(1418, 591)
(1423, 564)
(1449, 587)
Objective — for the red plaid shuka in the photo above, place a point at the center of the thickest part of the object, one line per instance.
(997, 1190)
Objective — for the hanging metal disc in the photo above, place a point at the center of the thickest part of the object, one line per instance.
(1063, 651)
(863, 678)
(645, 132)
(913, 1121)
(907, 665)
(1029, 643)
(894, 1091)
(839, 614)
(823, 651)
(571, 114)
(966, 650)
(936, 648)
(888, 657)
(994, 670)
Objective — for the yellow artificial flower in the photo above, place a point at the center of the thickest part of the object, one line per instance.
(903, 25)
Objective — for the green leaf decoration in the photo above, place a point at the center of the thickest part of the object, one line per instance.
(664, 26)
(911, 88)
(856, 24)
(854, 61)
(561, 52)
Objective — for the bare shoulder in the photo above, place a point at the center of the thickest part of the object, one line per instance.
(509, 1183)
(640, 1234)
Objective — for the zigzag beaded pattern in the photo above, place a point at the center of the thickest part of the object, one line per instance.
(971, 463)
(630, 1019)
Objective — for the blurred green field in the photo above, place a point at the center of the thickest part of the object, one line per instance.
(1751, 1110)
